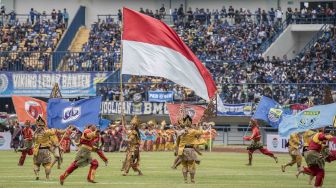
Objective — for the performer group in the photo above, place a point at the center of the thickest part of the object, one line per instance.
(185, 139)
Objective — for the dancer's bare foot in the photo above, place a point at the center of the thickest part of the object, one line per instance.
(276, 159)
(283, 168)
(298, 173)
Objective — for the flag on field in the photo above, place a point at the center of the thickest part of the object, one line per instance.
(28, 108)
(194, 111)
(269, 111)
(62, 113)
(311, 118)
(151, 48)
(104, 123)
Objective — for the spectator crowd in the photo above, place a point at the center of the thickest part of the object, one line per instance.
(228, 40)
(26, 44)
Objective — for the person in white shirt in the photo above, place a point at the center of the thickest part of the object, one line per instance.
(279, 14)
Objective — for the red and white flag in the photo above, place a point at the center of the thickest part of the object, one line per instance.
(151, 48)
(28, 108)
(194, 111)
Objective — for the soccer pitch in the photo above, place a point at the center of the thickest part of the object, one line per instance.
(217, 169)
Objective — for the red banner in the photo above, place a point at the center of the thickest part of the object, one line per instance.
(28, 108)
(194, 111)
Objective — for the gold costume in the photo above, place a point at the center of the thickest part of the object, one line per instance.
(307, 136)
(42, 148)
(187, 151)
(294, 152)
(133, 149)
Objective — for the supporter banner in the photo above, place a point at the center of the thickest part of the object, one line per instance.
(276, 143)
(160, 96)
(131, 108)
(5, 140)
(244, 109)
(194, 111)
(39, 84)
(62, 113)
(293, 108)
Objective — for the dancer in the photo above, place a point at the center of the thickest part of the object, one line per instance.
(314, 159)
(186, 150)
(256, 144)
(83, 156)
(133, 149)
(27, 134)
(294, 152)
(42, 148)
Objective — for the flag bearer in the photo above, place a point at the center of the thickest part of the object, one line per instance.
(83, 156)
(256, 144)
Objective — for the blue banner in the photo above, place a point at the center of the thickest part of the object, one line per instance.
(244, 109)
(80, 113)
(311, 118)
(269, 111)
(40, 84)
(160, 96)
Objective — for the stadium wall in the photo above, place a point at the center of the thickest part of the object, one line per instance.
(292, 40)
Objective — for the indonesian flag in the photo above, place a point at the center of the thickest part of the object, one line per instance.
(194, 111)
(151, 48)
(28, 108)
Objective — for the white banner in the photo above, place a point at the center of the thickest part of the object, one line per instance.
(276, 143)
(5, 139)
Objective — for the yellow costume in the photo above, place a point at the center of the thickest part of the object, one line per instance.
(307, 137)
(55, 150)
(170, 139)
(186, 150)
(133, 152)
(42, 148)
(294, 152)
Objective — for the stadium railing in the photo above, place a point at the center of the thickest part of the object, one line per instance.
(169, 19)
(42, 61)
(313, 40)
(63, 45)
(229, 92)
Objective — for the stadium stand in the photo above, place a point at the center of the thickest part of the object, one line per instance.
(27, 41)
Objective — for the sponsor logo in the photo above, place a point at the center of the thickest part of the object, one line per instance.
(3, 82)
(274, 115)
(71, 114)
(137, 97)
(275, 142)
(33, 109)
(247, 110)
(191, 112)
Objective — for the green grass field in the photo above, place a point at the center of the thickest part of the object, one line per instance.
(216, 170)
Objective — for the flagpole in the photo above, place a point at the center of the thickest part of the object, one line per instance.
(210, 140)
(121, 98)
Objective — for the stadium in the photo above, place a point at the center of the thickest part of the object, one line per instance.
(168, 93)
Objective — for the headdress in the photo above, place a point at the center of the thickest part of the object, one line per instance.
(187, 121)
(152, 122)
(27, 123)
(40, 121)
(135, 121)
(254, 122)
